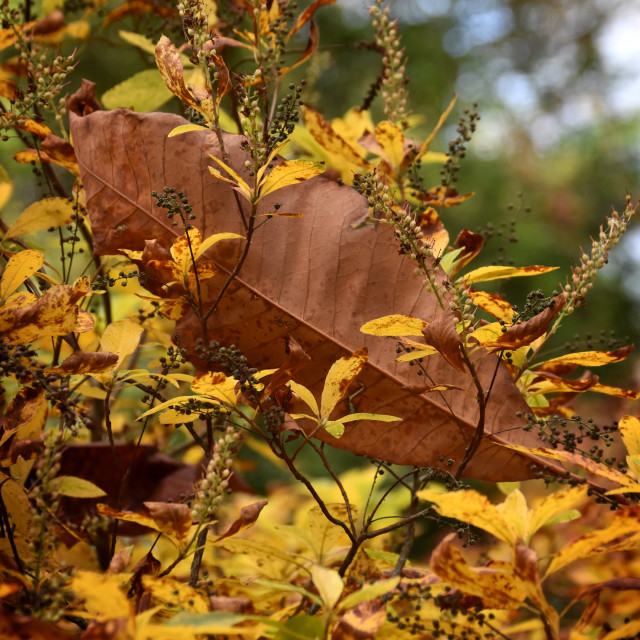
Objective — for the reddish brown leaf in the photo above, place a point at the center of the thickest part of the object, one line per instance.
(315, 278)
(307, 14)
(471, 244)
(248, 516)
(86, 362)
(296, 359)
(442, 335)
(526, 332)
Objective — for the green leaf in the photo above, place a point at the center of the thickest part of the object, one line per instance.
(301, 627)
(143, 92)
(369, 592)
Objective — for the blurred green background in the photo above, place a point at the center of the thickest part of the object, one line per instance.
(557, 84)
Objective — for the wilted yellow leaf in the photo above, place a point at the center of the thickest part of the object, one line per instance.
(175, 593)
(394, 325)
(43, 214)
(19, 267)
(484, 274)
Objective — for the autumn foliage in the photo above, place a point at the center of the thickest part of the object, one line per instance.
(239, 290)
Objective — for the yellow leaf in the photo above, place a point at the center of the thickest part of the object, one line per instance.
(76, 487)
(474, 508)
(425, 146)
(237, 181)
(330, 140)
(629, 427)
(494, 304)
(44, 214)
(6, 186)
(577, 459)
(627, 630)
(497, 584)
(102, 594)
(121, 337)
(588, 358)
(53, 314)
(553, 505)
(185, 128)
(339, 378)
(369, 592)
(214, 239)
(216, 385)
(334, 427)
(288, 173)
(394, 325)
(484, 274)
(306, 395)
(620, 534)
(20, 267)
(390, 138)
(380, 417)
(418, 353)
(18, 507)
(180, 251)
(515, 513)
(324, 534)
(176, 594)
(329, 585)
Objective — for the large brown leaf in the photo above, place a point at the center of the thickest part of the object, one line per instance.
(315, 278)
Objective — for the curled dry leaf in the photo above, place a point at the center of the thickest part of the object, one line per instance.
(315, 278)
(525, 333)
(248, 516)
